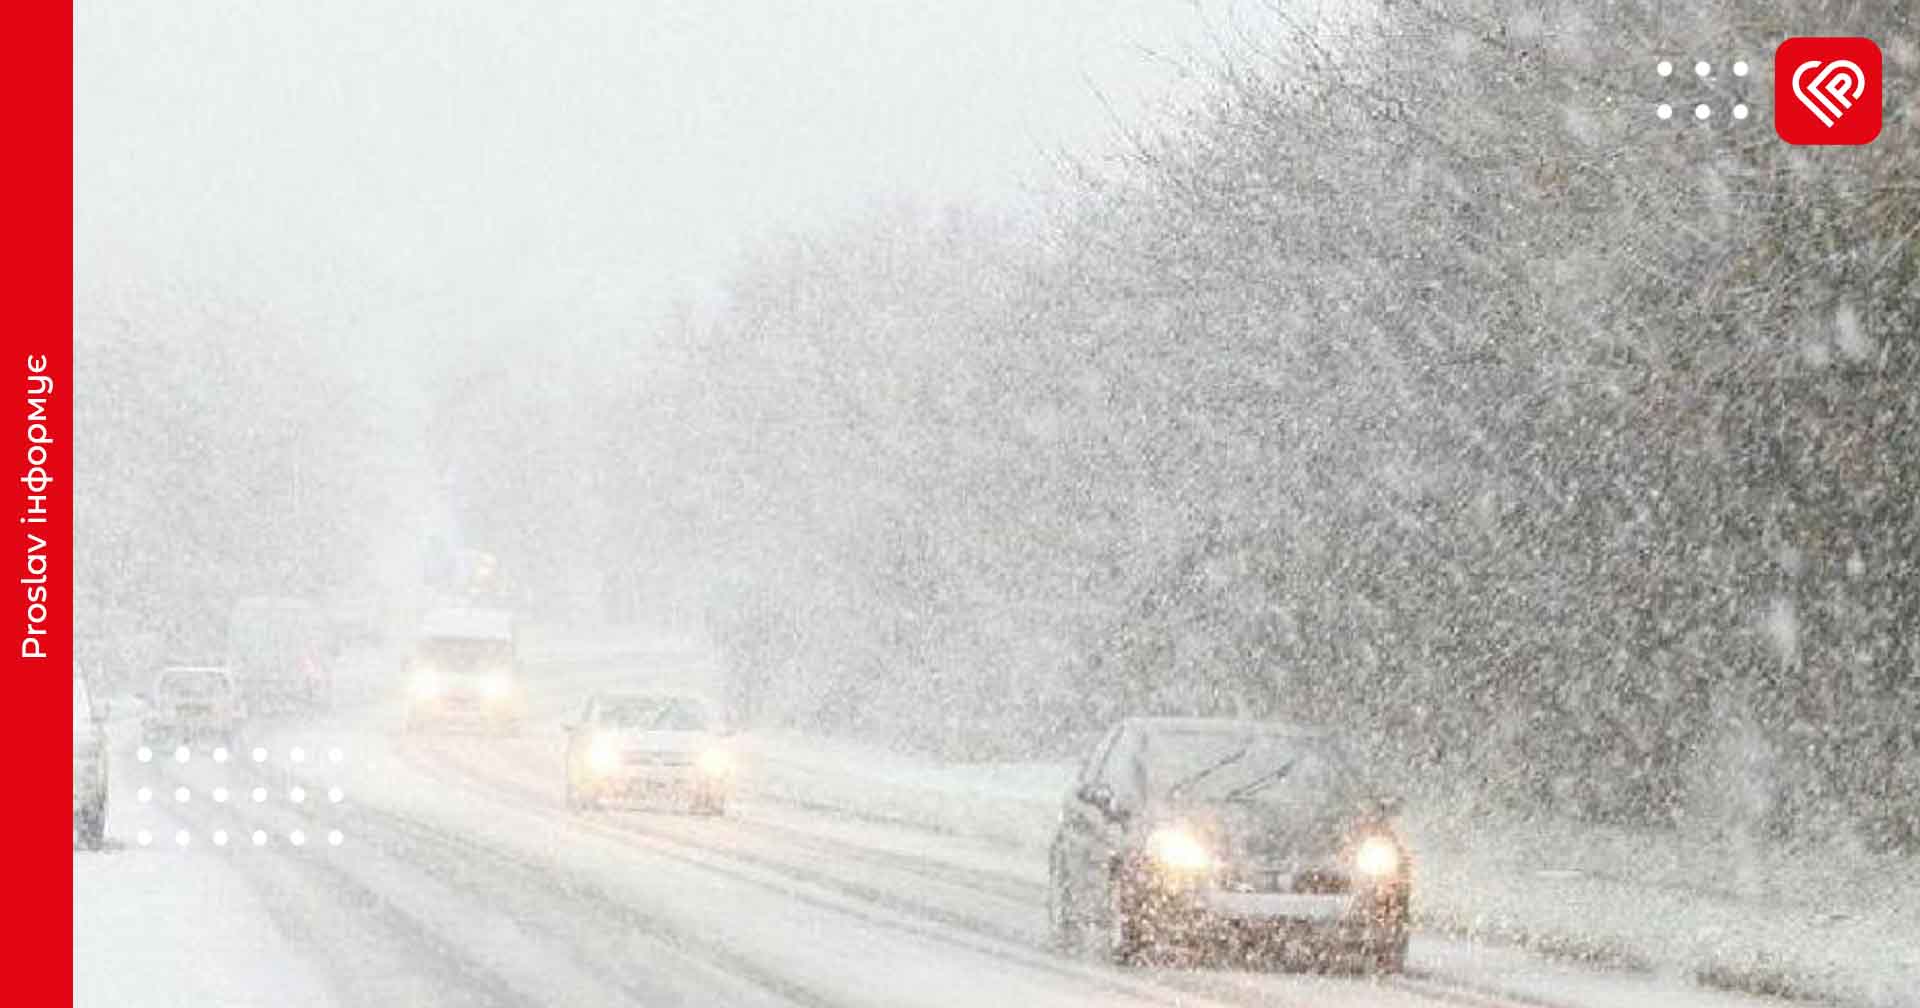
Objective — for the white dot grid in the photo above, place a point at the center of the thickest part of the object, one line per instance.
(220, 794)
(1703, 111)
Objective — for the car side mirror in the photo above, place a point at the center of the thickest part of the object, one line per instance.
(1099, 796)
(1390, 806)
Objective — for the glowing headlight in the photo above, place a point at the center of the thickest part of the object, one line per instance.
(426, 684)
(496, 686)
(603, 753)
(1177, 848)
(1377, 856)
(716, 762)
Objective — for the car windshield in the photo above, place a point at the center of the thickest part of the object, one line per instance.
(192, 684)
(1220, 765)
(458, 655)
(641, 714)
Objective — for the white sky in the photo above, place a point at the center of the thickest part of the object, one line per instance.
(340, 158)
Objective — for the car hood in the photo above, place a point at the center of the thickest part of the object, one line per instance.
(1304, 831)
(666, 741)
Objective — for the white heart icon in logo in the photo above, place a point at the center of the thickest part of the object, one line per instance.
(1832, 91)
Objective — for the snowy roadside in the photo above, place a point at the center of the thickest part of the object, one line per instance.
(1836, 927)
(165, 927)
(1827, 924)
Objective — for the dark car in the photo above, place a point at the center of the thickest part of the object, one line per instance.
(1244, 838)
(89, 766)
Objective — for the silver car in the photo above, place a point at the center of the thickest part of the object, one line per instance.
(631, 747)
(193, 703)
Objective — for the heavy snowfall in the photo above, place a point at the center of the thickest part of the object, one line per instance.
(1178, 502)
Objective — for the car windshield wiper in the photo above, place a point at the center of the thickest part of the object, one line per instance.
(1274, 776)
(1194, 778)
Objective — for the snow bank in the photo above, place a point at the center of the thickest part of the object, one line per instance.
(1828, 923)
(1010, 803)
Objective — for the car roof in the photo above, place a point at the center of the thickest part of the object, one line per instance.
(467, 624)
(1224, 726)
(222, 671)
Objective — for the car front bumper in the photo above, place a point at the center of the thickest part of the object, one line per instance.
(637, 782)
(466, 710)
(1366, 917)
(179, 729)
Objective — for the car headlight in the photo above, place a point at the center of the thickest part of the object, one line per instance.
(1177, 848)
(603, 753)
(426, 684)
(496, 686)
(716, 762)
(1377, 856)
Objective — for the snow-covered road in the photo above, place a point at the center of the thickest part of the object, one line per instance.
(460, 879)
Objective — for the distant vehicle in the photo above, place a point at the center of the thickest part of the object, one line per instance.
(464, 671)
(1222, 836)
(277, 650)
(633, 746)
(193, 703)
(89, 766)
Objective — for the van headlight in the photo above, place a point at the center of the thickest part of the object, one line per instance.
(426, 683)
(603, 753)
(716, 762)
(1177, 848)
(1377, 857)
(497, 685)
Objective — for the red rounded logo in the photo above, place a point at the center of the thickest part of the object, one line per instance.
(1826, 90)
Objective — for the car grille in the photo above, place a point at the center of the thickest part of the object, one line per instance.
(1265, 879)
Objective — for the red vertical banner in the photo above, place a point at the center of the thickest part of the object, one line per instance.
(36, 372)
